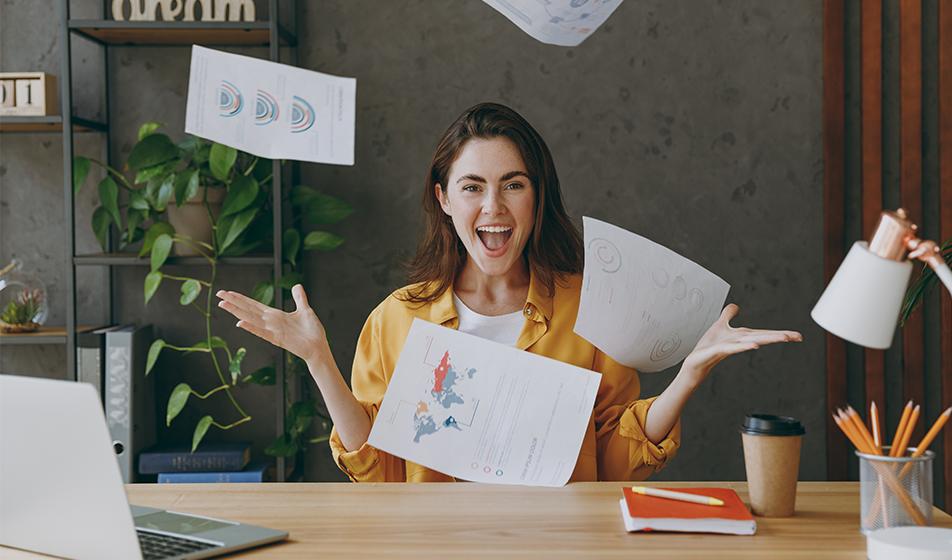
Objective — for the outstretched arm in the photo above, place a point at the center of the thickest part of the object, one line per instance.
(720, 341)
(301, 333)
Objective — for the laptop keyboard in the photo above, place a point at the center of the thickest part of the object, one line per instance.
(156, 547)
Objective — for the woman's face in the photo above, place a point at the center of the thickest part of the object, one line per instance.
(492, 202)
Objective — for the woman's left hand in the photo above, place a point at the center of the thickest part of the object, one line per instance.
(722, 340)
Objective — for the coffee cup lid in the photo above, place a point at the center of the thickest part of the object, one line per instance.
(770, 425)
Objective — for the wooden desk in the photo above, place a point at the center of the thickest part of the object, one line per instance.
(418, 521)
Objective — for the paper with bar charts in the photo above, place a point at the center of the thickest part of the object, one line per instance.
(483, 411)
(557, 22)
(271, 110)
(643, 304)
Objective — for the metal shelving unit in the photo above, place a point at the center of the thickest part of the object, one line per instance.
(108, 33)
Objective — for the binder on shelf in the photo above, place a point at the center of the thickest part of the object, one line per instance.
(91, 357)
(209, 457)
(129, 395)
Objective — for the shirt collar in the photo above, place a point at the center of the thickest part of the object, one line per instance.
(538, 304)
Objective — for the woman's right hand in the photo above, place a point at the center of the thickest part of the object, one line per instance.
(299, 332)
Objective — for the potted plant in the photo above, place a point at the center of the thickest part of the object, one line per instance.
(924, 284)
(163, 176)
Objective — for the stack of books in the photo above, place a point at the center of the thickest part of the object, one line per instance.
(211, 462)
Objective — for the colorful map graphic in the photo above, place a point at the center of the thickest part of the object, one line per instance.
(444, 396)
(230, 101)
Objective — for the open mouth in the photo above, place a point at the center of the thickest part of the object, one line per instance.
(494, 238)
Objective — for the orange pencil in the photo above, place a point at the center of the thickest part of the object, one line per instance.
(933, 432)
(863, 432)
(910, 427)
(874, 424)
(900, 429)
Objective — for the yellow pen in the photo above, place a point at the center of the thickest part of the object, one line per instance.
(671, 495)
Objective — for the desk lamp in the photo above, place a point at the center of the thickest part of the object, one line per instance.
(862, 302)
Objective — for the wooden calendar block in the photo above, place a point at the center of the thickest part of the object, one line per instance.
(7, 93)
(28, 94)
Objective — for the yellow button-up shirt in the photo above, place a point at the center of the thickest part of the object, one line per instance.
(615, 446)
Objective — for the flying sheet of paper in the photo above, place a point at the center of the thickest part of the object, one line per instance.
(483, 411)
(271, 110)
(643, 304)
(557, 22)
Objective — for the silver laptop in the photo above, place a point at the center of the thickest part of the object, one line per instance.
(61, 492)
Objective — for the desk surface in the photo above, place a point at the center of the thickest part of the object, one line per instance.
(334, 520)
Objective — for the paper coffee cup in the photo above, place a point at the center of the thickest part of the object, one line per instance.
(772, 460)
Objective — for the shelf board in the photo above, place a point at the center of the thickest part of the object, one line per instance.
(181, 33)
(44, 335)
(48, 124)
(130, 259)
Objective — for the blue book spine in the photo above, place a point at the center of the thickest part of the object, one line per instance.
(212, 477)
(215, 459)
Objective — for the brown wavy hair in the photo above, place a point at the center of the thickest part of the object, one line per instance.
(554, 248)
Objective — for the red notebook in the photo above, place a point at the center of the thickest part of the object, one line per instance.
(650, 513)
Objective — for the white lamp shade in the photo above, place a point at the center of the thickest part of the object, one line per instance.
(863, 300)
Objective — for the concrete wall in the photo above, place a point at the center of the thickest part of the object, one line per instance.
(696, 124)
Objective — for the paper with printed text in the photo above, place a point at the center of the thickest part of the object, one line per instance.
(271, 110)
(643, 304)
(482, 411)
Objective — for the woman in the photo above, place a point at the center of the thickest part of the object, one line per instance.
(500, 259)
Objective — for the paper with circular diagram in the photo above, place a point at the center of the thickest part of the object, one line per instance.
(557, 22)
(271, 110)
(643, 304)
(482, 411)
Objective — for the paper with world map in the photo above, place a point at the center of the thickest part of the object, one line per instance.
(557, 22)
(482, 411)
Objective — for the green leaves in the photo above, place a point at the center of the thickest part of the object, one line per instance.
(152, 150)
(100, 225)
(80, 170)
(200, 430)
(321, 209)
(186, 186)
(109, 198)
(152, 281)
(234, 365)
(177, 401)
(154, 351)
(290, 279)
(322, 241)
(263, 292)
(230, 227)
(241, 193)
(190, 290)
(221, 160)
(160, 251)
(290, 245)
(157, 229)
(261, 376)
(147, 129)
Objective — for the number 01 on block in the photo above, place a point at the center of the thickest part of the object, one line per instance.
(25, 94)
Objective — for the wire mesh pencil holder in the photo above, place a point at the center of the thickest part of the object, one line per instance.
(894, 491)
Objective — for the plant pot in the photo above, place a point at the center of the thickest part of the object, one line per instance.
(191, 219)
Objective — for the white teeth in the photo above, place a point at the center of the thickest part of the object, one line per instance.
(494, 229)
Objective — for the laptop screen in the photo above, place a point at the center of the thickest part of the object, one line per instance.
(177, 523)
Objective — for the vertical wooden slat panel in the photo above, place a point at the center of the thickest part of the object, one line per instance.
(833, 215)
(910, 181)
(945, 220)
(872, 140)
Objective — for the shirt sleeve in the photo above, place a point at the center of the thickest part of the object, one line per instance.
(369, 383)
(624, 450)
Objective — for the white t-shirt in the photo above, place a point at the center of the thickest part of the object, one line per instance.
(500, 328)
